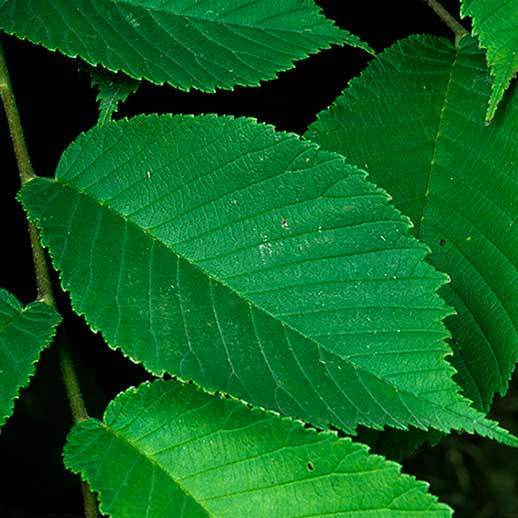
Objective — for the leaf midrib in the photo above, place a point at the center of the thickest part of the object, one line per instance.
(121, 437)
(331, 27)
(18, 312)
(436, 143)
(285, 325)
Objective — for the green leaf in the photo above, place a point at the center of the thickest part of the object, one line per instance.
(112, 90)
(414, 121)
(24, 333)
(495, 22)
(167, 449)
(188, 43)
(221, 251)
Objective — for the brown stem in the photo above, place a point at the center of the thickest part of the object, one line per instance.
(44, 286)
(26, 175)
(15, 125)
(77, 404)
(448, 19)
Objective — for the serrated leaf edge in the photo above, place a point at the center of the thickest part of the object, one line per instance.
(422, 485)
(345, 35)
(32, 369)
(504, 436)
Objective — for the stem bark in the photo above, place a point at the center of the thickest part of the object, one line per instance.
(43, 283)
(458, 30)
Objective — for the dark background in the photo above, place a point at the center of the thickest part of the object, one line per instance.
(477, 477)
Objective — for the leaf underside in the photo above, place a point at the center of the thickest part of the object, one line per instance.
(495, 22)
(187, 44)
(167, 449)
(24, 333)
(414, 120)
(220, 251)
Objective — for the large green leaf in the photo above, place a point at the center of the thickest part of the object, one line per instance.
(414, 120)
(495, 22)
(24, 333)
(186, 43)
(167, 449)
(221, 251)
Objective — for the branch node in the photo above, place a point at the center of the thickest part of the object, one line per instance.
(457, 28)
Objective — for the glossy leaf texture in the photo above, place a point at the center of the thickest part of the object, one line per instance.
(221, 251)
(24, 333)
(185, 43)
(495, 22)
(414, 120)
(112, 89)
(168, 449)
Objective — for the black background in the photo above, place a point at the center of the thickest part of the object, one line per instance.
(477, 477)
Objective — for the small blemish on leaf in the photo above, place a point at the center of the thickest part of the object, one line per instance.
(265, 249)
(442, 242)
(284, 223)
(310, 466)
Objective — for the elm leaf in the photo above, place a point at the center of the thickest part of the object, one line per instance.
(112, 89)
(167, 449)
(414, 120)
(185, 43)
(495, 22)
(24, 333)
(221, 251)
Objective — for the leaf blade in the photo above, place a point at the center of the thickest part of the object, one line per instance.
(24, 333)
(170, 243)
(112, 89)
(456, 173)
(495, 25)
(219, 44)
(228, 459)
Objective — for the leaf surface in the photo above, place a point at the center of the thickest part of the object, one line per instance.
(112, 90)
(167, 449)
(221, 251)
(414, 120)
(24, 333)
(495, 22)
(186, 43)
